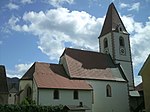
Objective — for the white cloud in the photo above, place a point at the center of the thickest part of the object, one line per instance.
(22, 68)
(123, 5)
(12, 22)
(26, 1)
(19, 71)
(12, 6)
(134, 6)
(137, 80)
(59, 3)
(56, 28)
(140, 43)
(139, 39)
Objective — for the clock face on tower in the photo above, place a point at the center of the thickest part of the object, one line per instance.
(122, 51)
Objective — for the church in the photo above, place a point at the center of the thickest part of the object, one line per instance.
(86, 81)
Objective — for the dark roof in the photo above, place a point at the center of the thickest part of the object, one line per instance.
(53, 76)
(91, 65)
(139, 87)
(29, 74)
(13, 83)
(112, 20)
(3, 80)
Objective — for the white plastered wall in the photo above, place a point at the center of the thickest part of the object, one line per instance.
(23, 84)
(117, 103)
(65, 98)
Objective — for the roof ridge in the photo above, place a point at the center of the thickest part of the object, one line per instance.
(84, 50)
(46, 63)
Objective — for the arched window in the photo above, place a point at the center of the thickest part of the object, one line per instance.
(75, 94)
(121, 41)
(120, 29)
(29, 92)
(56, 94)
(105, 43)
(108, 91)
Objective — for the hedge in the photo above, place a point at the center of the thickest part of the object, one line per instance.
(30, 108)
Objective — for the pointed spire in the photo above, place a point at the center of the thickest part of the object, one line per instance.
(112, 21)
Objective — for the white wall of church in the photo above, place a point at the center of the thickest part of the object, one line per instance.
(34, 91)
(101, 41)
(124, 60)
(127, 68)
(117, 103)
(114, 50)
(117, 47)
(65, 98)
(23, 84)
(11, 98)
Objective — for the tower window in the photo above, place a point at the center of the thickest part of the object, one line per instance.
(105, 43)
(56, 94)
(120, 29)
(121, 41)
(108, 91)
(75, 94)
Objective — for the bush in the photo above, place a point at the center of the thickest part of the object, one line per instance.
(28, 101)
(30, 108)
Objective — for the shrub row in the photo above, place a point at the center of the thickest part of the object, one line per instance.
(30, 108)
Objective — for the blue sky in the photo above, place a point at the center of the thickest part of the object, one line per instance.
(39, 30)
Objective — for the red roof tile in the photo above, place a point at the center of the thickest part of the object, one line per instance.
(54, 76)
(91, 65)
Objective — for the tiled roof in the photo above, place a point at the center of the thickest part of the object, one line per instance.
(112, 20)
(3, 80)
(54, 76)
(91, 65)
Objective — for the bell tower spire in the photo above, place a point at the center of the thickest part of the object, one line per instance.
(112, 21)
(114, 40)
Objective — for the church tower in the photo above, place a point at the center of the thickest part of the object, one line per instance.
(114, 40)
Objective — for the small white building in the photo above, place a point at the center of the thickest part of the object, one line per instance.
(12, 96)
